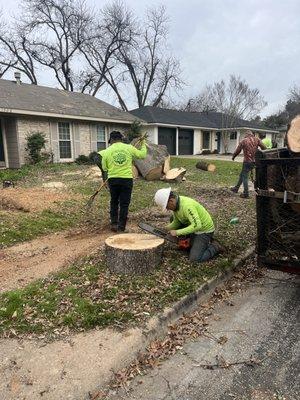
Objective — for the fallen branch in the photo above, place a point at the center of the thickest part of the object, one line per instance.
(222, 363)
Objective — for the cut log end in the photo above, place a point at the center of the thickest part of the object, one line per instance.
(133, 253)
(206, 166)
(293, 135)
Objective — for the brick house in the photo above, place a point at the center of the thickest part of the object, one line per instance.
(73, 123)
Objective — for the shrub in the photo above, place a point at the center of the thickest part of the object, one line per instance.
(134, 131)
(94, 157)
(35, 143)
(82, 159)
(204, 152)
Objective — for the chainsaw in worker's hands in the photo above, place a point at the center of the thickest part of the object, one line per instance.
(183, 242)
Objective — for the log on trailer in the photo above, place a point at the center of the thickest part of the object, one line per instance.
(133, 253)
(293, 135)
(206, 166)
(151, 167)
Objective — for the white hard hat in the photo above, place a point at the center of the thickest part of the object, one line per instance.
(161, 197)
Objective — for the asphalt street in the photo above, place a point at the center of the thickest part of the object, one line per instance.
(253, 342)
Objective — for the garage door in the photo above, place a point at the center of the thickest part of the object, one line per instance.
(186, 141)
(167, 136)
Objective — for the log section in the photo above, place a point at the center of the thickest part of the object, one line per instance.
(133, 253)
(206, 166)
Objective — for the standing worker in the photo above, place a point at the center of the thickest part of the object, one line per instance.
(117, 167)
(192, 219)
(249, 145)
(266, 141)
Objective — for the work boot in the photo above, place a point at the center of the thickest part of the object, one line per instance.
(217, 245)
(244, 196)
(234, 189)
(114, 227)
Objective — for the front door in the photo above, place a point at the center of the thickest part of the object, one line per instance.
(185, 141)
(2, 157)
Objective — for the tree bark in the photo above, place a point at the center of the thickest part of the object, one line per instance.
(205, 166)
(151, 167)
(133, 253)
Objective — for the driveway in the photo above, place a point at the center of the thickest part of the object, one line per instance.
(220, 157)
(251, 350)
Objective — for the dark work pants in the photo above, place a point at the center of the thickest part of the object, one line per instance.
(244, 175)
(120, 196)
(202, 249)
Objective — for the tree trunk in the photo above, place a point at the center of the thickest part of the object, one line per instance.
(133, 253)
(151, 167)
(135, 172)
(206, 166)
(167, 166)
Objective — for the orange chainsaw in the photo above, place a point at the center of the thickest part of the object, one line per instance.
(183, 242)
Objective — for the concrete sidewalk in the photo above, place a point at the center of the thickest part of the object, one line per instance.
(216, 157)
(85, 362)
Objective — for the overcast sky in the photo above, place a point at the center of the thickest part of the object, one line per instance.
(256, 39)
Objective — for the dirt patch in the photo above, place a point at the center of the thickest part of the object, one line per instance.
(31, 199)
(26, 262)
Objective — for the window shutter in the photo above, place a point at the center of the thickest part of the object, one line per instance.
(54, 141)
(76, 135)
(93, 137)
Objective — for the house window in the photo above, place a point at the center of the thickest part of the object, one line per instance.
(101, 137)
(233, 135)
(65, 151)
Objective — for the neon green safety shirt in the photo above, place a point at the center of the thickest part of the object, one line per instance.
(267, 142)
(194, 217)
(117, 159)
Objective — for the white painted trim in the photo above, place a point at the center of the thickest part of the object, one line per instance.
(4, 142)
(177, 142)
(60, 116)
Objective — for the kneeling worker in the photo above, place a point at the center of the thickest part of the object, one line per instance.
(190, 218)
(117, 167)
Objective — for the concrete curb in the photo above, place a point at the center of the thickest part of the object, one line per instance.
(158, 325)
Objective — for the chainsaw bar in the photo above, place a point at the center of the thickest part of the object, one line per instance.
(157, 232)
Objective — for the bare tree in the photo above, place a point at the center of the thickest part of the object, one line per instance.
(144, 65)
(113, 29)
(15, 52)
(233, 101)
(57, 28)
(294, 94)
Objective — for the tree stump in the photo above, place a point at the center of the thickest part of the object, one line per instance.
(133, 253)
(206, 166)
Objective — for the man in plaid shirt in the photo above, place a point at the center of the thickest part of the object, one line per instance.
(249, 145)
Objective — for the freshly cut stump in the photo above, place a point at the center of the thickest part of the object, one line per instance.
(133, 253)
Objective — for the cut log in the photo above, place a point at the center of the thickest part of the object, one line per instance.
(293, 135)
(135, 172)
(151, 167)
(206, 166)
(175, 175)
(133, 253)
(167, 164)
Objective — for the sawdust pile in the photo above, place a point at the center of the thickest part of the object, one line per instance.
(31, 199)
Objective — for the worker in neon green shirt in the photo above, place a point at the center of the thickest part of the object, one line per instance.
(192, 219)
(117, 168)
(265, 140)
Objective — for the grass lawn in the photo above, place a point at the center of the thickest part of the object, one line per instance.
(86, 295)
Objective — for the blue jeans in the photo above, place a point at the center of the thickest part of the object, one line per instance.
(243, 179)
(202, 249)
